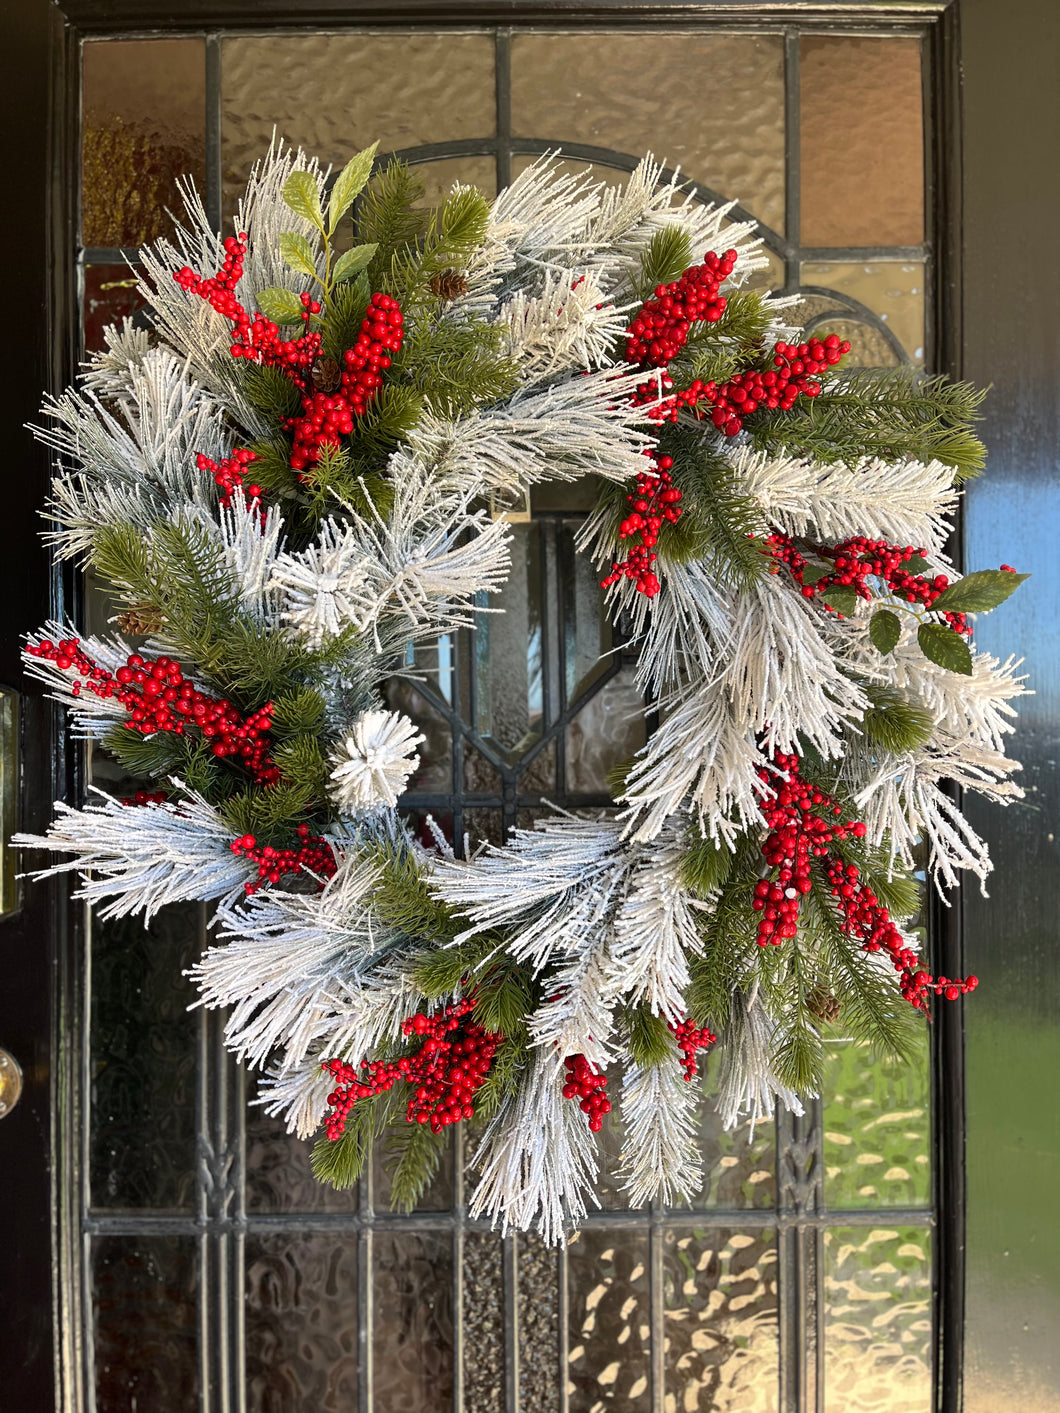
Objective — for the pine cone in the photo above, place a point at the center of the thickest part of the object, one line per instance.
(450, 284)
(326, 376)
(822, 1004)
(141, 619)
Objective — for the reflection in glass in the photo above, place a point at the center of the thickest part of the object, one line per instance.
(869, 188)
(301, 1322)
(722, 1344)
(144, 125)
(412, 1326)
(146, 1321)
(557, 96)
(877, 1320)
(609, 1330)
(435, 770)
(607, 732)
(109, 297)
(876, 1124)
(893, 289)
(507, 649)
(586, 631)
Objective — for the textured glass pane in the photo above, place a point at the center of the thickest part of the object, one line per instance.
(876, 1127)
(585, 622)
(540, 774)
(893, 289)
(480, 776)
(537, 1282)
(301, 1322)
(434, 773)
(334, 93)
(629, 103)
(484, 826)
(608, 730)
(483, 1323)
(720, 1293)
(110, 296)
(144, 124)
(279, 1177)
(143, 1043)
(877, 1320)
(739, 1165)
(146, 1317)
(412, 1321)
(867, 189)
(440, 176)
(609, 1328)
(507, 650)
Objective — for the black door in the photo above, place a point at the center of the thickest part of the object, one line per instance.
(66, 1254)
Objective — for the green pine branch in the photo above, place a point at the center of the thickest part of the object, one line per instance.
(342, 1162)
(412, 1155)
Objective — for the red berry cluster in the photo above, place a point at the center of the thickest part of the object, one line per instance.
(326, 417)
(655, 500)
(691, 1038)
(588, 1085)
(146, 797)
(660, 329)
(447, 1071)
(858, 559)
(229, 472)
(314, 855)
(803, 821)
(157, 697)
(794, 371)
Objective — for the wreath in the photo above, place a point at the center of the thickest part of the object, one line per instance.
(302, 467)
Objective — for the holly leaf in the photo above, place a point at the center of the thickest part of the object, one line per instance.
(917, 565)
(945, 647)
(282, 306)
(842, 598)
(978, 592)
(298, 253)
(814, 572)
(302, 196)
(349, 184)
(351, 262)
(885, 628)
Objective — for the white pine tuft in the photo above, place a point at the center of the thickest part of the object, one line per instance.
(373, 762)
(660, 1159)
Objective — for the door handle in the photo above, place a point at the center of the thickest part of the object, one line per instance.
(10, 1083)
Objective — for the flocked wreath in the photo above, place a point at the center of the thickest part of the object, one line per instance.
(298, 470)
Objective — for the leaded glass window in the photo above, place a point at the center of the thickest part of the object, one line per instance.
(801, 1277)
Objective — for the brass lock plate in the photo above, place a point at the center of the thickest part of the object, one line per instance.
(10, 1083)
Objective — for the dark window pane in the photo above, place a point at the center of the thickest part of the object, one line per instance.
(412, 1326)
(867, 189)
(301, 1323)
(146, 1317)
(110, 296)
(279, 1177)
(143, 1045)
(144, 124)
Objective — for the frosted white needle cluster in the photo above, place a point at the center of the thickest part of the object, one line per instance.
(294, 487)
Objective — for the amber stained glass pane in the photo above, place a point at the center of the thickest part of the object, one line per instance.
(868, 187)
(609, 1329)
(891, 289)
(301, 1322)
(146, 1316)
(144, 126)
(631, 104)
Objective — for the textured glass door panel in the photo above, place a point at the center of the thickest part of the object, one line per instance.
(108, 298)
(301, 1323)
(143, 1059)
(607, 732)
(483, 1303)
(739, 1165)
(507, 648)
(877, 1284)
(722, 1339)
(609, 1325)
(144, 106)
(279, 1175)
(146, 1323)
(412, 1321)
(673, 94)
(876, 1122)
(538, 1315)
(867, 189)
(892, 289)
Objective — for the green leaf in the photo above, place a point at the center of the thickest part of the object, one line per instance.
(885, 628)
(298, 253)
(282, 306)
(351, 262)
(842, 598)
(349, 184)
(917, 565)
(978, 592)
(815, 572)
(945, 647)
(302, 195)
